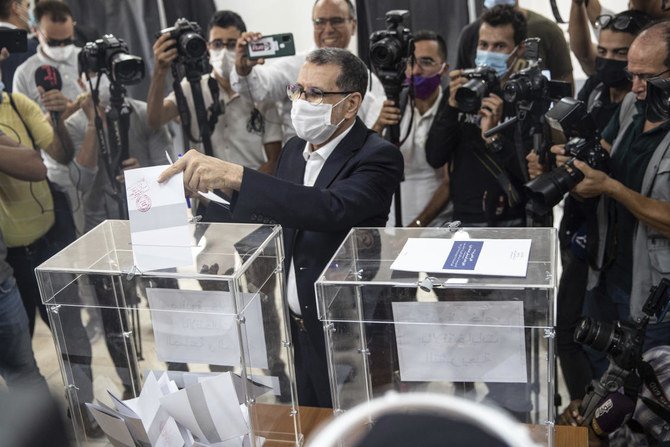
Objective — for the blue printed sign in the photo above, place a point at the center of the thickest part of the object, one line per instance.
(463, 255)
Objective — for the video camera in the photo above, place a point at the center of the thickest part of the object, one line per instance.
(110, 56)
(389, 51)
(569, 117)
(482, 82)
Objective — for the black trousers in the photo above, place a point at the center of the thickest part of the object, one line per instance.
(311, 369)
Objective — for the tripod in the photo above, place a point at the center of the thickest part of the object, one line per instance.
(193, 73)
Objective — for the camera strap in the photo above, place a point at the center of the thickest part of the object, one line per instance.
(661, 404)
(215, 108)
(490, 164)
(25, 126)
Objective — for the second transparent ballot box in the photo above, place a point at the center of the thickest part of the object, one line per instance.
(468, 312)
(200, 351)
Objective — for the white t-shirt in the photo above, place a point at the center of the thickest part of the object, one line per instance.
(421, 179)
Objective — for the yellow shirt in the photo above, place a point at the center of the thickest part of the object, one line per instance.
(26, 208)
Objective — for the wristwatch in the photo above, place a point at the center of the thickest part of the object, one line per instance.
(494, 144)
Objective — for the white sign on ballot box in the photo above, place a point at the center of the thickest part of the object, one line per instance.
(461, 341)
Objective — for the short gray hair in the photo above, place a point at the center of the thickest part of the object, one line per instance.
(353, 72)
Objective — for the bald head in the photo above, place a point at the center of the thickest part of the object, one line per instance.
(649, 56)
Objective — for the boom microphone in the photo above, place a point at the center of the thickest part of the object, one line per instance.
(48, 77)
(612, 413)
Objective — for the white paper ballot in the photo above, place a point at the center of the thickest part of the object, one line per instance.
(209, 409)
(494, 257)
(193, 326)
(158, 222)
(113, 426)
(461, 341)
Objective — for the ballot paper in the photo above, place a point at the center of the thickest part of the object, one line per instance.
(461, 341)
(199, 326)
(158, 222)
(209, 409)
(493, 257)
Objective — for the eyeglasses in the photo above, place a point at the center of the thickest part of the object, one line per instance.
(60, 42)
(643, 76)
(619, 22)
(335, 22)
(427, 63)
(219, 44)
(313, 95)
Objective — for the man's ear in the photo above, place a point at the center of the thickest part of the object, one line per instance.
(522, 50)
(352, 104)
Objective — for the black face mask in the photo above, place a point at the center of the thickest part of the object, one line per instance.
(611, 72)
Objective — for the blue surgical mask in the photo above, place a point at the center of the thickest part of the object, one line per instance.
(491, 3)
(497, 61)
(2, 91)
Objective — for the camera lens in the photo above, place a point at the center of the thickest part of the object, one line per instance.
(600, 336)
(469, 96)
(127, 69)
(192, 45)
(516, 90)
(385, 53)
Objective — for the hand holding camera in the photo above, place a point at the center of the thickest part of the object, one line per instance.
(165, 52)
(455, 82)
(491, 112)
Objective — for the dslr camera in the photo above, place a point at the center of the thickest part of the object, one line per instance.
(529, 84)
(389, 51)
(482, 82)
(110, 56)
(570, 118)
(191, 45)
(623, 342)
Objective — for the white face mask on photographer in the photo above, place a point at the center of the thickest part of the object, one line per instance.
(222, 61)
(312, 123)
(58, 54)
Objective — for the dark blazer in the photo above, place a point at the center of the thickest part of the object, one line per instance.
(353, 189)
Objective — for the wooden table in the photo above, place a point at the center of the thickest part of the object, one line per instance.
(311, 418)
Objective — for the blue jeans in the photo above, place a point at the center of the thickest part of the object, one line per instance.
(17, 362)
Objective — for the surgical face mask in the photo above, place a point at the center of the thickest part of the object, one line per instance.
(611, 72)
(222, 61)
(58, 54)
(2, 91)
(497, 61)
(491, 3)
(313, 123)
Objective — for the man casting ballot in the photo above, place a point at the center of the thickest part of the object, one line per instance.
(334, 175)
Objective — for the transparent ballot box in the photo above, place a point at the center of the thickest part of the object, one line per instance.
(200, 351)
(468, 312)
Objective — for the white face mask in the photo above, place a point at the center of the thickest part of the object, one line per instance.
(313, 123)
(58, 54)
(223, 61)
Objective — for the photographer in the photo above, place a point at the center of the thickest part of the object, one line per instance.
(603, 93)
(554, 50)
(425, 190)
(484, 173)
(55, 33)
(240, 135)
(632, 250)
(334, 24)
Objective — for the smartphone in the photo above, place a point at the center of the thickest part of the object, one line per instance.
(15, 40)
(275, 45)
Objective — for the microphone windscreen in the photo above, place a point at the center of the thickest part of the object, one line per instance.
(48, 77)
(612, 413)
